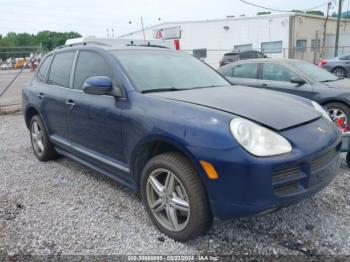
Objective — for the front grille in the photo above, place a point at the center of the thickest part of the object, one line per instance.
(292, 179)
(285, 174)
(285, 180)
(320, 161)
(286, 189)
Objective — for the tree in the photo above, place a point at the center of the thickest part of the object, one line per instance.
(320, 13)
(49, 40)
(263, 13)
(297, 11)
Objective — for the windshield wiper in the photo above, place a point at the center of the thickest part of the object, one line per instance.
(162, 89)
(175, 89)
(331, 80)
(205, 86)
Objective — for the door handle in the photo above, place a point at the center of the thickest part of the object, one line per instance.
(70, 103)
(264, 85)
(41, 95)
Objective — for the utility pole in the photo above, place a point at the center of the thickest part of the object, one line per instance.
(323, 52)
(337, 32)
(143, 31)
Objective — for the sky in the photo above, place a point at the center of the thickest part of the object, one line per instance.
(92, 18)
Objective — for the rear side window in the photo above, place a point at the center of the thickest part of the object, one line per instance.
(245, 70)
(90, 64)
(247, 55)
(60, 69)
(43, 69)
(227, 73)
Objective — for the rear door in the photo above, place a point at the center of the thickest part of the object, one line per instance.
(277, 77)
(243, 74)
(53, 95)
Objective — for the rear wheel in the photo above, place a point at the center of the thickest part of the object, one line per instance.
(42, 147)
(340, 72)
(348, 159)
(174, 197)
(340, 114)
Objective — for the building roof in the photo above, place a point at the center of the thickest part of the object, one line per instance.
(173, 23)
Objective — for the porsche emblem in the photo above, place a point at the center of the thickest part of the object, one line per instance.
(321, 130)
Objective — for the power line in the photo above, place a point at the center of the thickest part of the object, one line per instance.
(278, 10)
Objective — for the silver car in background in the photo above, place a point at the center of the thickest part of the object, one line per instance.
(340, 66)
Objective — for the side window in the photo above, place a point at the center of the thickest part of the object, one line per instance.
(346, 57)
(276, 72)
(259, 55)
(245, 70)
(89, 64)
(228, 72)
(244, 55)
(43, 69)
(60, 69)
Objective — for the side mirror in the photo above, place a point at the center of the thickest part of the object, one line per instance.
(98, 85)
(297, 80)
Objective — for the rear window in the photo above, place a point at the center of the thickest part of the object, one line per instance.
(231, 57)
(245, 71)
(60, 69)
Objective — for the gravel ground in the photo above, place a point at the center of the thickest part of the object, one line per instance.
(61, 207)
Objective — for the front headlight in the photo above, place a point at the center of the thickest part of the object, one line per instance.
(258, 140)
(321, 110)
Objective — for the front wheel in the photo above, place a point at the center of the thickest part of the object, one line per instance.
(340, 114)
(174, 197)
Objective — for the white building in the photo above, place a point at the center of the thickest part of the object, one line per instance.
(281, 35)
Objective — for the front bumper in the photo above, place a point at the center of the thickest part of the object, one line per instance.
(249, 185)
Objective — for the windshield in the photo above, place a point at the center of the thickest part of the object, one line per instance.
(315, 73)
(158, 70)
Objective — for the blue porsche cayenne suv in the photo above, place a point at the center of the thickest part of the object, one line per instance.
(169, 126)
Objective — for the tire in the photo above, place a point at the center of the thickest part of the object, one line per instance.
(340, 72)
(42, 147)
(333, 108)
(188, 187)
(348, 159)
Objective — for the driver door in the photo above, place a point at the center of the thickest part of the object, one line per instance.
(277, 77)
(95, 121)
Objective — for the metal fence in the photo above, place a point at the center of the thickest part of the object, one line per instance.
(17, 65)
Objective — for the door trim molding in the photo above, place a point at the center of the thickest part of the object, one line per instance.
(85, 152)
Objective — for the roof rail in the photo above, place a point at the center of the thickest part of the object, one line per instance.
(82, 43)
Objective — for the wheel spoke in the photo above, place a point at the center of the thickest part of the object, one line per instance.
(169, 183)
(35, 136)
(172, 217)
(40, 145)
(180, 204)
(35, 128)
(157, 206)
(157, 186)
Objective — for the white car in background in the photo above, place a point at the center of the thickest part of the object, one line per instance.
(6, 66)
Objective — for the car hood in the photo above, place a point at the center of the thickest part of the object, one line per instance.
(341, 84)
(272, 109)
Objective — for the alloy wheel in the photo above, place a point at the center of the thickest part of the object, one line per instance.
(37, 135)
(338, 117)
(339, 72)
(168, 200)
